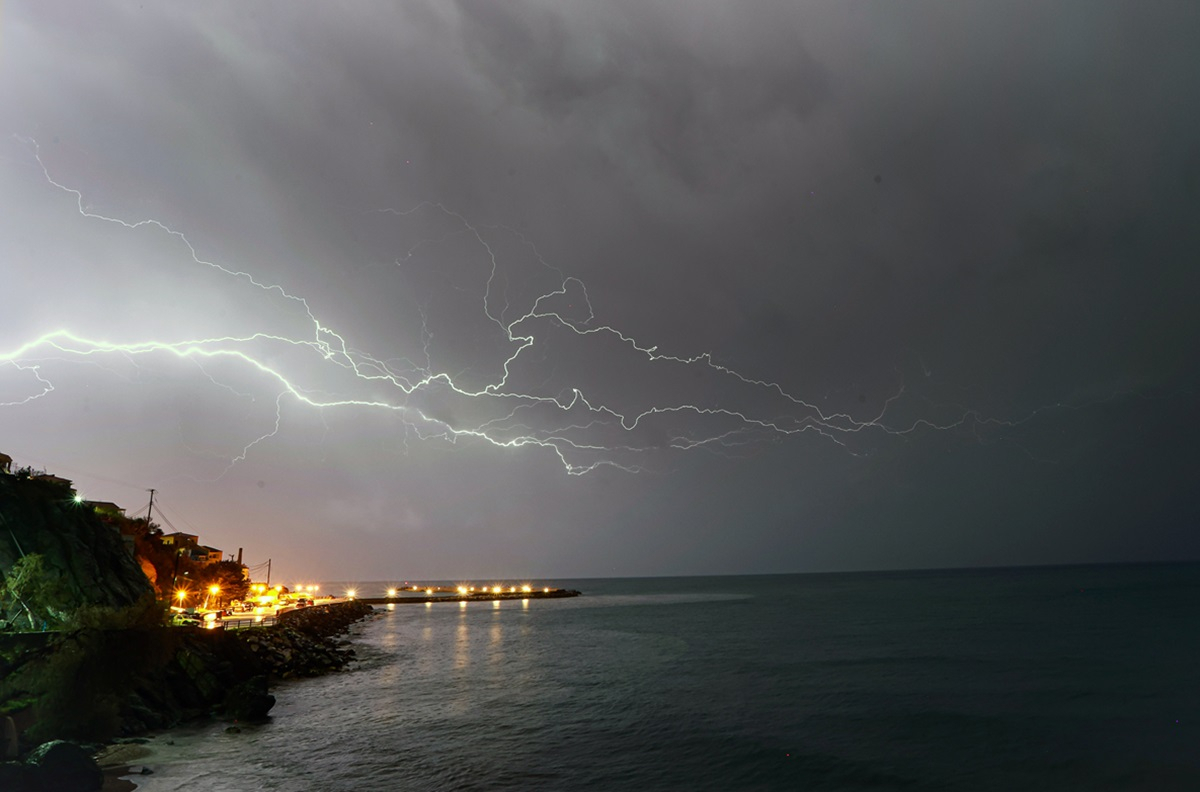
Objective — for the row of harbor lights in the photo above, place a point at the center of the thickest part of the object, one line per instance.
(465, 589)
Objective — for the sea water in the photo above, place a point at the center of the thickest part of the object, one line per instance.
(1069, 678)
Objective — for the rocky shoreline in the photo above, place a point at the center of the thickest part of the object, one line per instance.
(228, 674)
(195, 673)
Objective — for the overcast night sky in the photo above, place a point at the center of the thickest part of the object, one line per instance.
(439, 289)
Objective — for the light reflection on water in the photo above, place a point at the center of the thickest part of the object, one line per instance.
(419, 671)
(955, 680)
(462, 645)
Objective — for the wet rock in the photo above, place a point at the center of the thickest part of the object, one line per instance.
(249, 701)
(65, 767)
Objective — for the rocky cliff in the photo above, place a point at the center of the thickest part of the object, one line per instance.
(85, 555)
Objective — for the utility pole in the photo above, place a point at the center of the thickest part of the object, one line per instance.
(150, 510)
(268, 573)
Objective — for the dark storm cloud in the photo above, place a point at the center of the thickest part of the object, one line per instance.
(685, 100)
(989, 202)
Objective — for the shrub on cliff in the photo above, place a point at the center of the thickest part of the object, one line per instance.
(80, 679)
(32, 592)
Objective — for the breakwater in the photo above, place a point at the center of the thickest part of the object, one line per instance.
(474, 597)
(303, 642)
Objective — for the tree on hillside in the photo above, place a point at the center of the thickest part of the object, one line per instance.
(229, 575)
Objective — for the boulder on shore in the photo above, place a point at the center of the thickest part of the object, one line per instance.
(65, 767)
(249, 701)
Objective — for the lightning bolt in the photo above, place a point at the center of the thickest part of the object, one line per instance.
(585, 431)
(46, 385)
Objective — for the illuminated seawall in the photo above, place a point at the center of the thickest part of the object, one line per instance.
(473, 597)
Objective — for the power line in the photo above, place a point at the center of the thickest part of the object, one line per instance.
(182, 519)
(168, 522)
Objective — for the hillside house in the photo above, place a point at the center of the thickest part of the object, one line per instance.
(53, 479)
(180, 539)
(105, 507)
(206, 555)
(5, 463)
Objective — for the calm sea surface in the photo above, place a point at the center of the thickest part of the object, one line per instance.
(1082, 678)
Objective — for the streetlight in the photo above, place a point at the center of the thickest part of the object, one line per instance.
(213, 591)
(181, 595)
